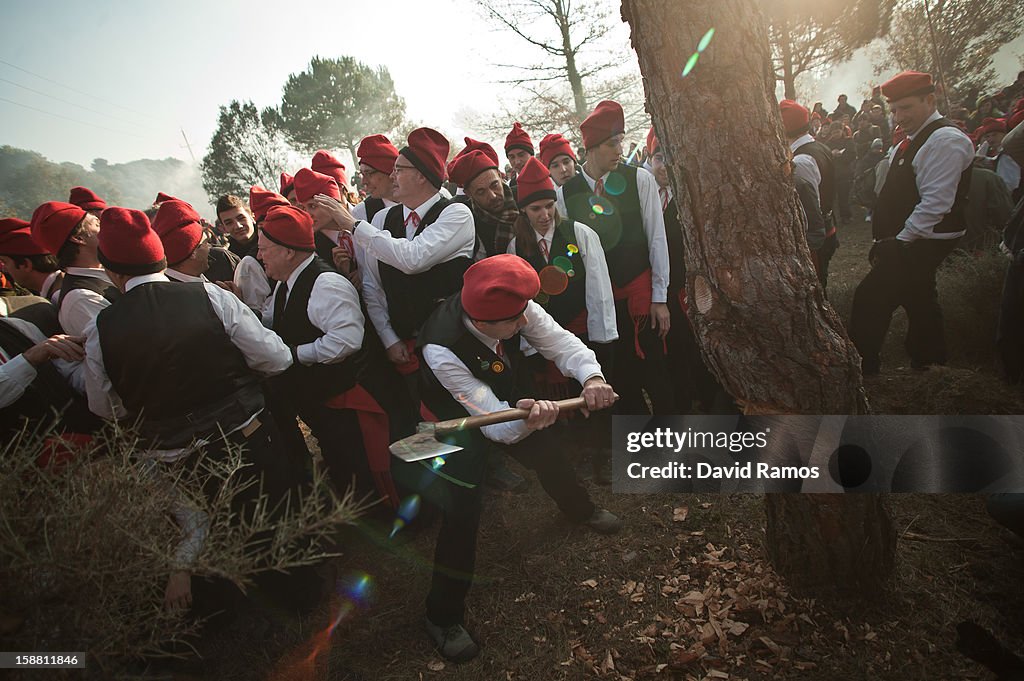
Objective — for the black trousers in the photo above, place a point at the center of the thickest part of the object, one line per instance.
(825, 253)
(901, 276)
(631, 376)
(1010, 331)
(341, 445)
(455, 553)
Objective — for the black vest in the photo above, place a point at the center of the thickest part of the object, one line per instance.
(324, 248)
(250, 247)
(172, 363)
(316, 382)
(222, 264)
(566, 306)
(899, 195)
(75, 281)
(823, 158)
(507, 376)
(412, 297)
(373, 206)
(621, 229)
(48, 398)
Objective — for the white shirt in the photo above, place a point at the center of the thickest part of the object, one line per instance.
(81, 306)
(359, 210)
(600, 301)
(570, 355)
(805, 166)
(452, 235)
(333, 308)
(264, 352)
(938, 164)
(16, 374)
(49, 290)
(654, 228)
(175, 275)
(1009, 171)
(252, 282)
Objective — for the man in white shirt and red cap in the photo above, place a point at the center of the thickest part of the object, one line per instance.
(918, 220)
(473, 364)
(349, 396)
(812, 162)
(27, 262)
(557, 156)
(87, 200)
(416, 252)
(377, 156)
(189, 382)
(621, 203)
(184, 241)
(71, 234)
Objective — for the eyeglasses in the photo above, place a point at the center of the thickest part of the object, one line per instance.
(399, 168)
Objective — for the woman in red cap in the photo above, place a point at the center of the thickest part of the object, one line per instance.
(575, 287)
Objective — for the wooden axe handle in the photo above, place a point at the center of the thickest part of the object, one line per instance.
(468, 422)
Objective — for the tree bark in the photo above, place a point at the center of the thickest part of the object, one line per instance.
(765, 328)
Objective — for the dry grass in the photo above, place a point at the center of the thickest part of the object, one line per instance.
(86, 547)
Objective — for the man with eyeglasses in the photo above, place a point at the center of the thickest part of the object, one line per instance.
(416, 251)
(377, 156)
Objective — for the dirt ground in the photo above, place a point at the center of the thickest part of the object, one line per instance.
(685, 591)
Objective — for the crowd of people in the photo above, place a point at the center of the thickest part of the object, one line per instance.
(440, 289)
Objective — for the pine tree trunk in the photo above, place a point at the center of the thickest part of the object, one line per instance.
(765, 328)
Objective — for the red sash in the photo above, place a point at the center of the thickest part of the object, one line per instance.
(373, 423)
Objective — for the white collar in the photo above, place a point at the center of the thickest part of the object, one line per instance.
(47, 288)
(934, 117)
(491, 343)
(290, 282)
(800, 141)
(422, 209)
(94, 272)
(144, 279)
(175, 275)
(591, 181)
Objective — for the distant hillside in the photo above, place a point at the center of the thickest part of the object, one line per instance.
(28, 179)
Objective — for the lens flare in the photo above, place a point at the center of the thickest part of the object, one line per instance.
(616, 183)
(572, 249)
(690, 63)
(701, 46)
(552, 279)
(407, 512)
(562, 263)
(600, 206)
(356, 588)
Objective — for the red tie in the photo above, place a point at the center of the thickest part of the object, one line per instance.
(664, 198)
(414, 218)
(500, 352)
(544, 249)
(902, 148)
(345, 241)
(599, 188)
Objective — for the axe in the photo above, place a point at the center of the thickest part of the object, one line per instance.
(426, 445)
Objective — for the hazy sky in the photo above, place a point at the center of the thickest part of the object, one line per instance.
(154, 68)
(131, 75)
